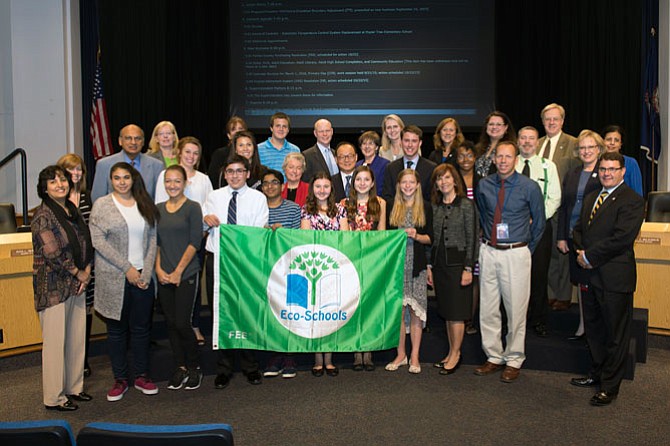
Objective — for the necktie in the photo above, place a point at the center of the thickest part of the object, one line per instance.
(410, 164)
(347, 187)
(497, 215)
(133, 163)
(600, 200)
(526, 169)
(232, 209)
(330, 162)
(547, 149)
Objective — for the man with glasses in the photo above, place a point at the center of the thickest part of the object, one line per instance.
(235, 204)
(411, 140)
(346, 162)
(604, 235)
(560, 148)
(131, 140)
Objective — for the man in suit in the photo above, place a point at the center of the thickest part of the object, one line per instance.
(320, 157)
(346, 162)
(411, 139)
(560, 148)
(131, 140)
(604, 235)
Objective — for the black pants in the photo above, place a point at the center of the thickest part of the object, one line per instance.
(538, 304)
(608, 318)
(177, 303)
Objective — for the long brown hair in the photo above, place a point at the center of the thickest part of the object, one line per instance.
(145, 205)
(437, 137)
(70, 161)
(400, 207)
(374, 209)
(311, 205)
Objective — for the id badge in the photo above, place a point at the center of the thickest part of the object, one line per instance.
(502, 231)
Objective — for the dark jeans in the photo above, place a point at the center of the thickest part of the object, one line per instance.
(177, 303)
(135, 322)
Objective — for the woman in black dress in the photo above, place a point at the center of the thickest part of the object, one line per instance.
(455, 248)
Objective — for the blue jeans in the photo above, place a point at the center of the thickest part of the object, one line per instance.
(135, 322)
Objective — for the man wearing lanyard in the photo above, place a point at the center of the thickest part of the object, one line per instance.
(511, 213)
(604, 235)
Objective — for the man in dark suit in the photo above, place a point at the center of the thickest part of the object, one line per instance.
(131, 140)
(604, 235)
(411, 144)
(320, 157)
(560, 148)
(346, 162)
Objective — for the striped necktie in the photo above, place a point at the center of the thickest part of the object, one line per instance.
(600, 200)
(232, 209)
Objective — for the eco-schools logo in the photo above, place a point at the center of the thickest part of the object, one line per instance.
(313, 290)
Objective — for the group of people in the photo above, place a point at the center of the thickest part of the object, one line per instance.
(484, 222)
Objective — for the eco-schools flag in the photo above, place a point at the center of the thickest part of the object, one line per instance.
(308, 291)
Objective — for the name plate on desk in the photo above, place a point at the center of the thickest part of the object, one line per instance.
(648, 240)
(20, 252)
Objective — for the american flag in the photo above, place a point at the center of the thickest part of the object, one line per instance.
(102, 144)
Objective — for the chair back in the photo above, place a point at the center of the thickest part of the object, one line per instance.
(7, 218)
(115, 434)
(40, 432)
(658, 207)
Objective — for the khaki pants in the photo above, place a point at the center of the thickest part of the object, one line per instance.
(63, 340)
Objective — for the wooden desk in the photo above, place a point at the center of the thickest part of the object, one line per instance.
(652, 252)
(18, 318)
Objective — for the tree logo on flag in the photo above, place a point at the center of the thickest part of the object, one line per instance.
(313, 290)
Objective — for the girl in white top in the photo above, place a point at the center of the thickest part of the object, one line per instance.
(198, 187)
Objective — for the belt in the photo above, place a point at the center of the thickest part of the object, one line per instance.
(503, 246)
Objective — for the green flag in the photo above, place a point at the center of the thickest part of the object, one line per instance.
(294, 290)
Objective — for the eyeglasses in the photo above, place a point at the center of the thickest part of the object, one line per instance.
(235, 171)
(132, 138)
(346, 157)
(271, 183)
(495, 124)
(585, 148)
(608, 169)
(165, 134)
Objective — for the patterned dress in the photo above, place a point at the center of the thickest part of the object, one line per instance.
(320, 222)
(414, 288)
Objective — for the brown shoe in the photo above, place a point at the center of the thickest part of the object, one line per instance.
(551, 302)
(510, 374)
(561, 305)
(487, 368)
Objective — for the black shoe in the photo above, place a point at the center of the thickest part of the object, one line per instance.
(451, 370)
(603, 398)
(83, 396)
(87, 371)
(541, 330)
(67, 406)
(358, 367)
(332, 372)
(254, 378)
(586, 381)
(222, 380)
(439, 365)
(317, 371)
(576, 338)
(369, 367)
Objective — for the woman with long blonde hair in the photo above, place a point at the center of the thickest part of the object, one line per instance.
(163, 143)
(413, 214)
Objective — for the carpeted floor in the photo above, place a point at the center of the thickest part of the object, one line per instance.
(377, 407)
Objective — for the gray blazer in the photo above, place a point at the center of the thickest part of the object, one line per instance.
(457, 228)
(565, 155)
(102, 185)
(109, 235)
